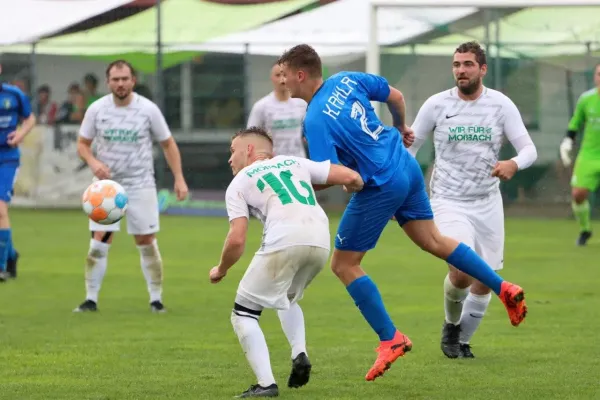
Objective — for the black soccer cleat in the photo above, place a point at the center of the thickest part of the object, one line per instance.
(87, 305)
(300, 371)
(583, 238)
(11, 266)
(450, 337)
(157, 307)
(465, 351)
(259, 391)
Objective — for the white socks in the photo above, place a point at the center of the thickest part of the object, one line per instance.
(473, 311)
(96, 262)
(292, 322)
(453, 301)
(95, 268)
(152, 267)
(244, 319)
(252, 339)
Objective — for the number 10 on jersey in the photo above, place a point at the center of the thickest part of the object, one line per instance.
(286, 189)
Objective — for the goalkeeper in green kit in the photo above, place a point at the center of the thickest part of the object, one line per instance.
(586, 174)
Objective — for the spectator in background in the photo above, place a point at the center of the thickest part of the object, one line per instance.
(45, 109)
(91, 89)
(71, 111)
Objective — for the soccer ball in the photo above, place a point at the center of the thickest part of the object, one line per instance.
(105, 202)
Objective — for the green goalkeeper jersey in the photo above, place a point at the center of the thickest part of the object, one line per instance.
(587, 116)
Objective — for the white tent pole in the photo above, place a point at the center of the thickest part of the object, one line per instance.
(373, 48)
(159, 90)
(32, 73)
(497, 59)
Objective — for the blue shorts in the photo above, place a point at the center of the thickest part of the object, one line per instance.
(8, 176)
(368, 212)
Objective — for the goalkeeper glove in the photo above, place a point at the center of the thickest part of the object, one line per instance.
(566, 146)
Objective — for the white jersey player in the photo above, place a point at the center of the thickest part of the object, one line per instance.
(123, 126)
(469, 124)
(281, 116)
(295, 246)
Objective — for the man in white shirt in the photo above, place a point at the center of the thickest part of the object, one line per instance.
(469, 123)
(281, 116)
(295, 246)
(123, 125)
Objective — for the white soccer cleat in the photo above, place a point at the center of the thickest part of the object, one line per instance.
(566, 146)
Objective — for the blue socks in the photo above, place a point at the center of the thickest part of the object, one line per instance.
(4, 247)
(466, 260)
(368, 300)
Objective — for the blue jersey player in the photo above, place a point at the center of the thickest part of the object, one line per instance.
(16, 120)
(341, 126)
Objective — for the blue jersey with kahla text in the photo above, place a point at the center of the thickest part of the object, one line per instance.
(341, 126)
(14, 106)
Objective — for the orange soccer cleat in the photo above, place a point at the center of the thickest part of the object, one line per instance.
(513, 298)
(388, 352)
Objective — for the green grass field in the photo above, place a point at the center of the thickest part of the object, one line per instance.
(126, 352)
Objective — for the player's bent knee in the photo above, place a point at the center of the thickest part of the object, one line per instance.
(579, 195)
(346, 265)
(240, 313)
(104, 237)
(144, 240)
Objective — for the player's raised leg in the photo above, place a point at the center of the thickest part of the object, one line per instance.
(143, 223)
(426, 235)
(96, 263)
(416, 218)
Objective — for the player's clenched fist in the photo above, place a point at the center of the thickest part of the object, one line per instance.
(408, 136)
(100, 170)
(505, 170)
(216, 275)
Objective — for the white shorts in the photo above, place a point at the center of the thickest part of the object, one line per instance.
(142, 214)
(278, 279)
(478, 224)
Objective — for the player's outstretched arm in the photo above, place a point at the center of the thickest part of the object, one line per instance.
(173, 157)
(324, 174)
(340, 175)
(233, 249)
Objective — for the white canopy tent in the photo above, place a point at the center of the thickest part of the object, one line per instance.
(26, 21)
(376, 6)
(336, 29)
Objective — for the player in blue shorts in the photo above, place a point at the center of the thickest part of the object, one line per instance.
(16, 120)
(341, 126)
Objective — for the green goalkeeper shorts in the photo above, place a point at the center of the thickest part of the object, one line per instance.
(586, 174)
